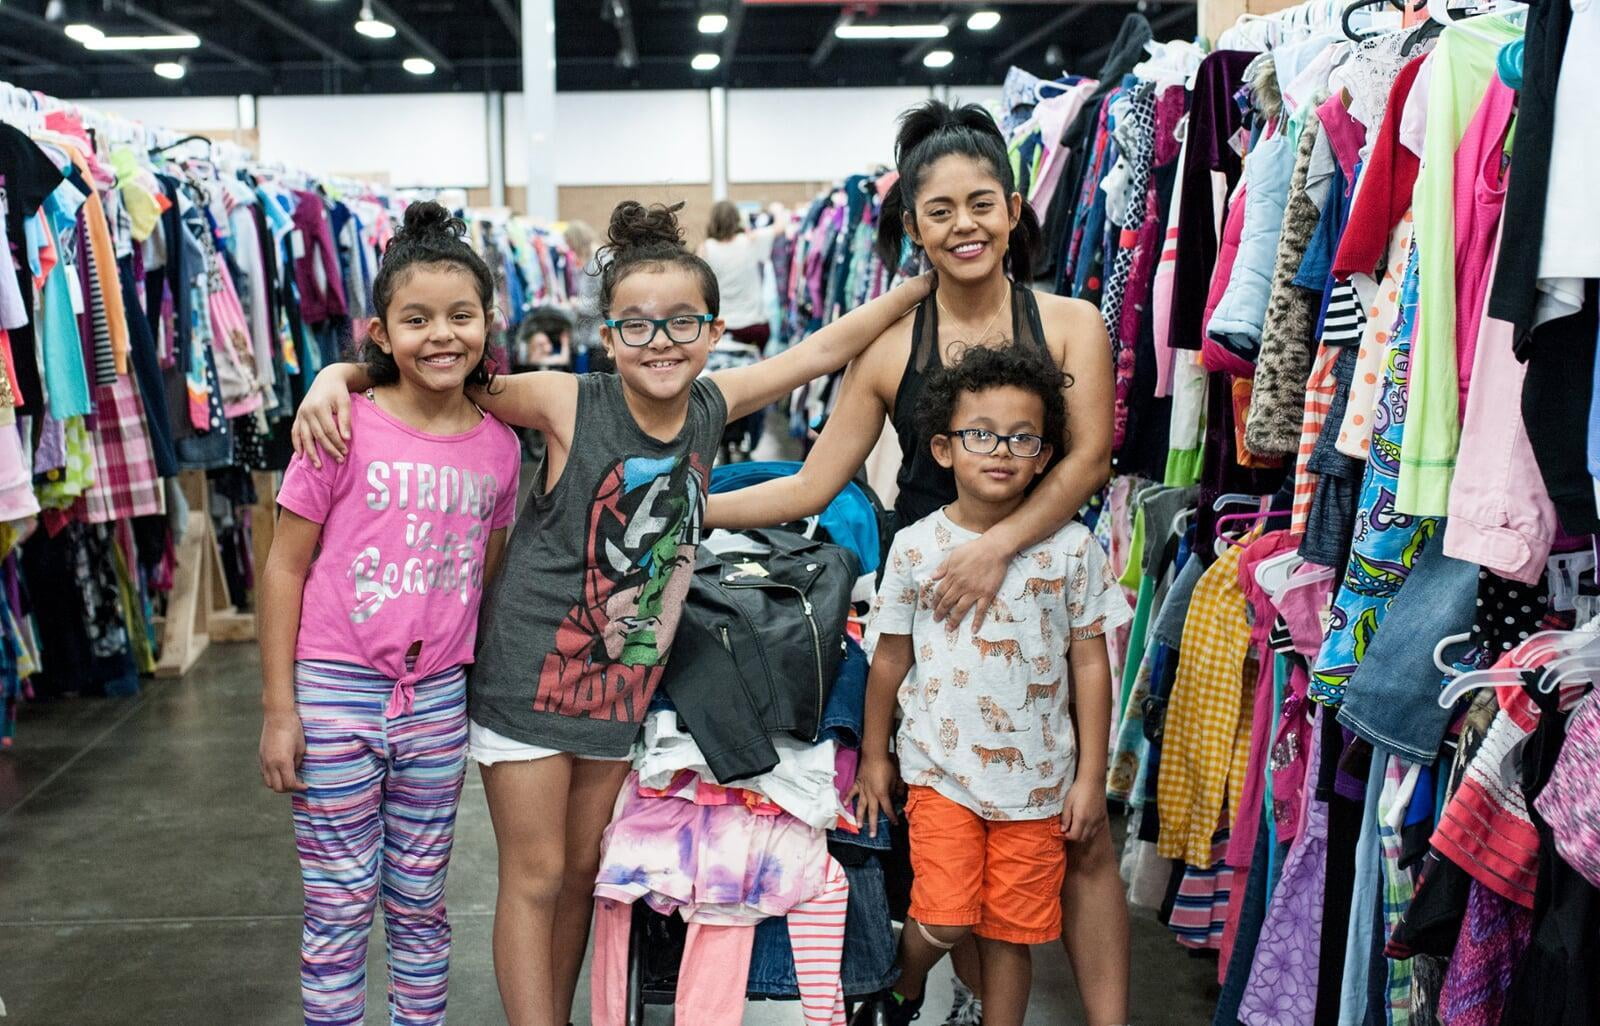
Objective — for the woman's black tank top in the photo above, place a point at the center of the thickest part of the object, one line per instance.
(924, 485)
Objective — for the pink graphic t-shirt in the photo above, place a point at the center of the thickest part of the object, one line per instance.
(406, 520)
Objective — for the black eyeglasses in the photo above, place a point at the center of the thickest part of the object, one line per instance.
(982, 443)
(682, 329)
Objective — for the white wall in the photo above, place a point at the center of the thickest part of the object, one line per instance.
(180, 113)
(812, 135)
(606, 138)
(618, 138)
(412, 139)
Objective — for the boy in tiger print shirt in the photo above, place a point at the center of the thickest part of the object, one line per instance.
(986, 743)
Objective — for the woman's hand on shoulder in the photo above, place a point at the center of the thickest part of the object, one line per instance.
(968, 580)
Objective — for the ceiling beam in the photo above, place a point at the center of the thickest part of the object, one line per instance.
(133, 10)
(509, 15)
(927, 46)
(730, 35)
(28, 62)
(1040, 34)
(295, 32)
(824, 49)
(418, 41)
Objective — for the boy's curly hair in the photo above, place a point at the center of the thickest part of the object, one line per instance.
(984, 367)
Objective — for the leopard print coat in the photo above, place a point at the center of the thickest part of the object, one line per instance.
(1277, 402)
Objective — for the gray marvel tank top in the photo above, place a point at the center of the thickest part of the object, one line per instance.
(577, 627)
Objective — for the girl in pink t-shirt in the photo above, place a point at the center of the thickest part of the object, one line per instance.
(369, 611)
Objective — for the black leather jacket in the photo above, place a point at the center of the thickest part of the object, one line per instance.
(758, 649)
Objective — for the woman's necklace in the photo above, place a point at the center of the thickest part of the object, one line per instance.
(978, 340)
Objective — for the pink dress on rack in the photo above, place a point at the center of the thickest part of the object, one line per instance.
(1480, 187)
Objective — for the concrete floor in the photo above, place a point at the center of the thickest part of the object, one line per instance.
(146, 877)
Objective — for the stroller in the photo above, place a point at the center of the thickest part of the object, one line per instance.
(854, 520)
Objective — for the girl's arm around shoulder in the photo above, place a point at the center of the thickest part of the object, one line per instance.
(322, 423)
(543, 400)
(748, 389)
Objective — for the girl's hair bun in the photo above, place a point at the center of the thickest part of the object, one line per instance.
(635, 226)
(431, 222)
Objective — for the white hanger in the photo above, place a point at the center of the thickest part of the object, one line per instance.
(1578, 662)
(1558, 643)
(1272, 574)
(1449, 640)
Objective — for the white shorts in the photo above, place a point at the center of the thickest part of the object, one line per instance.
(487, 748)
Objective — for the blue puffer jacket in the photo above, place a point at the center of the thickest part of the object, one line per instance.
(1236, 322)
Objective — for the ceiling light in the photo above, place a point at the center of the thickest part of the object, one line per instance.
(938, 58)
(372, 28)
(705, 61)
(983, 21)
(174, 42)
(171, 70)
(932, 31)
(418, 65)
(369, 26)
(81, 33)
(712, 24)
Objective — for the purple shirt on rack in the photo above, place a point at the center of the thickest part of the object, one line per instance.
(321, 297)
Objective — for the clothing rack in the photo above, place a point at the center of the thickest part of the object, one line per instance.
(1316, 354)
(187, 601)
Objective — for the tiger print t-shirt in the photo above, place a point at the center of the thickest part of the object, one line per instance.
(984, 712)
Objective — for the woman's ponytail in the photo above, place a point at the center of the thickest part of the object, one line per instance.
(892, 227)
(1026, 240)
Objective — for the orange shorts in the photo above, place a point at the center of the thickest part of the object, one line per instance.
(1002, 878)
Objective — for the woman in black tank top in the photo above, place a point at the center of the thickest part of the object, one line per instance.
(957, 201)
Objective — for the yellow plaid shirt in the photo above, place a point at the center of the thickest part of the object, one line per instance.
(1205, 747)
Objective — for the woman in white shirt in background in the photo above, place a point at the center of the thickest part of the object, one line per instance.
(737, 255)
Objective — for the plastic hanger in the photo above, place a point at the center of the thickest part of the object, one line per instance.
(1559, 643)
(1582, 661)
(1297, 581)
(1272, 574)
(1449, 640)
(1180, 522)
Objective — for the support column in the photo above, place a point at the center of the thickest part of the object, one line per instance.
(539, 104)
(718, 100)
(495, 118)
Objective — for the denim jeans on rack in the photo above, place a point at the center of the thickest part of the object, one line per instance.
(1392, 698)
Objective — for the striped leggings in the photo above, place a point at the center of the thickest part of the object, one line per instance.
(377, 821)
